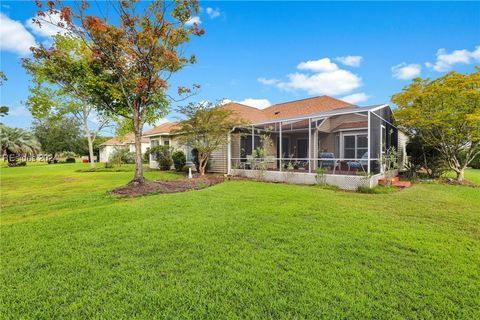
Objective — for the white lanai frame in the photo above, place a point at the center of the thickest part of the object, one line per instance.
(322, 117)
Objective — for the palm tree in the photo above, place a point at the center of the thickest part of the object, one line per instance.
(17, 141)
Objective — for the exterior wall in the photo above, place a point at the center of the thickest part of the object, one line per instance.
(106, 151)
(218, 160)
(345, 182)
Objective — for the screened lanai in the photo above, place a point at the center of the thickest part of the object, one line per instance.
(348, 141)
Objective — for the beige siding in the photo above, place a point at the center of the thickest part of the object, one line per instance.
(218, 160)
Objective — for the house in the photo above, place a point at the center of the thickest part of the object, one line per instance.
(126, 141)
(303, 139)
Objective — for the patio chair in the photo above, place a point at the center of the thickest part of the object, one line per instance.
(249, 162)
(328, 163)
(360, 164)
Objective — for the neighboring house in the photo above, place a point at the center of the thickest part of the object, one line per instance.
(344, 140)
(126, 141)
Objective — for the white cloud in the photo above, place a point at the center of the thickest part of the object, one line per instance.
(18, 112)
(48, 28)
(320, 65)
(324, 83)
(446, 61)
(356, 98)
(192, 20)
(14, 37)
(323, 77)
(256, 103)
(213, 13)
(351, 61)
(268, 81)
(405, 71)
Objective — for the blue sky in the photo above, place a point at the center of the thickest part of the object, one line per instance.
(263, 53)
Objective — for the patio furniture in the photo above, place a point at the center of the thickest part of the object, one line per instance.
(358, 164)
(333, 164)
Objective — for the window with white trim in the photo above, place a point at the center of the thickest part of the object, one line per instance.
(355, 146)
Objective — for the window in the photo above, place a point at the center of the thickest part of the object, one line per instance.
(355, 146)
(166, 142)
(154, 143)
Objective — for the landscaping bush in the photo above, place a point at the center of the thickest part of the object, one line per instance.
(108, 165)
(121, 156)
(422, 156)
(70, 160)
(179, 160)
(21, 164)
(163, 155)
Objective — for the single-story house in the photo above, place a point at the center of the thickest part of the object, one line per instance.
(126, 141)
(345, 140)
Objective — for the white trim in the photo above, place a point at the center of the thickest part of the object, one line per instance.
(351, 129)
(369, 142)
(342, 149)
(229, 153)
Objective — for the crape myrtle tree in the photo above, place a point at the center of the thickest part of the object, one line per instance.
(61, 83)
(445, 114)
(205, 128)
(134, 55)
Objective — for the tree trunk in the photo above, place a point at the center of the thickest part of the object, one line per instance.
(137, 129)
(89, 137)
(460, 175)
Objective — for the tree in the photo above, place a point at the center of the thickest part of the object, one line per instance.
(134, 56)
(57, 135)
(445, 113)
(206, 128)
(16, 141)
(61, 87)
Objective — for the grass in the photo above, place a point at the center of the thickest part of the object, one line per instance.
(240, 249)
(377, 190)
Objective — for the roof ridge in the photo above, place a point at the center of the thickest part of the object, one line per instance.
(309, 98)
(243, 105)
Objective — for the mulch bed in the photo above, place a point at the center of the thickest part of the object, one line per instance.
(465, 183)
(174, 186)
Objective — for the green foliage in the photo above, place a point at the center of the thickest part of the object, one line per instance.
(108, 165)
(14, 141)
(57, 135)
(445, 114)
(70, 160)
(163, 155)
(122, 156)
(240, 249)
(424, 158)
(179, 160)
(131, 80)
(205, 128)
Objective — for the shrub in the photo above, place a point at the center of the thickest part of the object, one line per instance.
(108, 165)
(21, 164)
(421, 156)
(179, 160)
(70, 160)
(163, 155)
(121, 156)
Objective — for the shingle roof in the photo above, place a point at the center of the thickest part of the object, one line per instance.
(323, 105)
(164, 128)
(123, 140)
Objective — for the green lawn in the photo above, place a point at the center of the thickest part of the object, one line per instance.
(239, 249)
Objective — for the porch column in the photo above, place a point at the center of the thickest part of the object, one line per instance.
(229, 153)
(369, 143)
(280, 141)
(309, 145)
